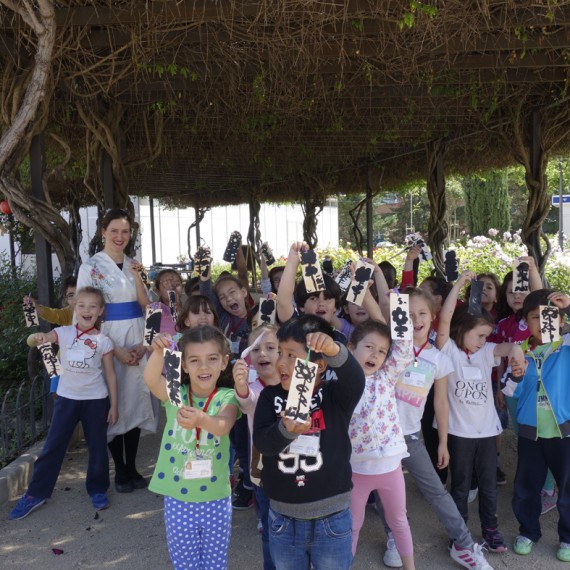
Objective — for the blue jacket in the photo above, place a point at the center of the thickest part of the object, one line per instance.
(556, 382)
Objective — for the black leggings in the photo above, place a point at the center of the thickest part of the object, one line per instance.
(124, 449)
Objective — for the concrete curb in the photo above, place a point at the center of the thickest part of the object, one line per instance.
(14, 477)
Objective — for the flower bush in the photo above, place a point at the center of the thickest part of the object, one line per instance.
(494, 253)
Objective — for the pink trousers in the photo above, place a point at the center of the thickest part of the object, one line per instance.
(392, 490)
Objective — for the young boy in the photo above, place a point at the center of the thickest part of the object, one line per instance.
(309, 517)
(63, 316)
(324, 304)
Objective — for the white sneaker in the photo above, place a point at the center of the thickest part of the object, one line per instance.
(391, 556)
(470, 557)
(473, 494)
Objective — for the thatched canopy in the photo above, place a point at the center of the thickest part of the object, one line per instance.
(215, 100)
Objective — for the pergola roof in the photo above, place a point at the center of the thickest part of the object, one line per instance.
(268, 96)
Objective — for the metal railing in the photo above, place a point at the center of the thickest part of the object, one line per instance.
(25, 416)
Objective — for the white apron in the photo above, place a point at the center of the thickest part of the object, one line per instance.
(134, 398)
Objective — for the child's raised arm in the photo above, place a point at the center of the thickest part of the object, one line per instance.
(152, 375)
(449, 307)
(241, 266)
(287, 284)
(408, 269)
(378, 311)
(142, 291)
(534, 279)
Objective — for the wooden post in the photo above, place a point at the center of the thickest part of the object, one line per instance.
(42, 246)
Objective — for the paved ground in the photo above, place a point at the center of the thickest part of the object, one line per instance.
(130, 535)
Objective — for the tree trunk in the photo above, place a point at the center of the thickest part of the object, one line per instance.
(437, 226)
(30, 119)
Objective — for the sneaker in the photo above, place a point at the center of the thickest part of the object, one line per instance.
(259, 526)
(523, 545)
(470, 557)
(548, 501)
(472, 494)
(242, 500)
(392, 556)
(24, 507)
(100, 501)
(501, 477)
(563, 553)
(494, 540)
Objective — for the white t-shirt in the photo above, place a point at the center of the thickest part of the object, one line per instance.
(81, 357)
(414, 386)
(472, 410)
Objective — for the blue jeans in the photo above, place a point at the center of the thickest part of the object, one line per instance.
(534, 459)
(324, 543)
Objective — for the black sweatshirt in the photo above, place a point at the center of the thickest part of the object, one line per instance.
(302, 486)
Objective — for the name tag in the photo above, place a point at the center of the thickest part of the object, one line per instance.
(414, 378)
(472, 373)
(235, 346)
(306, 445)
(76, 355)
(198, 469)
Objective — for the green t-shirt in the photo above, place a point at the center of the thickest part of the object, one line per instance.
(178, 446)
(546, 425)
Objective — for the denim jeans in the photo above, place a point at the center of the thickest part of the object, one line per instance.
(298, 544)
(263, 513)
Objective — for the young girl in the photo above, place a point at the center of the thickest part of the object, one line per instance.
(197, 311)
(378, 445)
(543, 415)
(354, 314)
(490, 293)
(192, 469)
(473, 420)
(430, 368)
(168, 280)
(263, 355)
(87, 393)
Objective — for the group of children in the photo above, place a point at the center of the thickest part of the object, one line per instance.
(312, 480)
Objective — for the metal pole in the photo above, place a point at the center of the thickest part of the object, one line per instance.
(153, 245)
(369, 240)
(560, 213)
(197, 215)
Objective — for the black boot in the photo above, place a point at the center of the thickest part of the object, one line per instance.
(131, 448)
(122, 480)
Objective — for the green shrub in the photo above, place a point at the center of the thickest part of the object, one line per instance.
(14, 284)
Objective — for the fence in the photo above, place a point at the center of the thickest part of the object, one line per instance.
(25, 416)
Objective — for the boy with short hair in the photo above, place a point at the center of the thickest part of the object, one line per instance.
(309, 491)
(324, 304)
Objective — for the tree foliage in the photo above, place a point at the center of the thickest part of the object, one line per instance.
(487, 202)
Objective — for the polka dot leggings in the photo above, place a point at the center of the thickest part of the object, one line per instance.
(198, 534)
